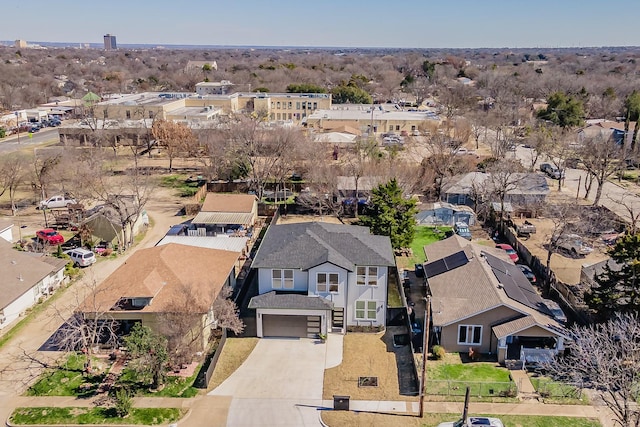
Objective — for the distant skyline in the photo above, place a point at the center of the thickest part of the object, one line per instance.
(329, 23)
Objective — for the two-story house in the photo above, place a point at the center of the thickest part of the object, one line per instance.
(318, 277)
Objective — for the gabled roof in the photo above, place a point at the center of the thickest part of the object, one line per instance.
(290, 301)
(486, 281)
(163, 273)
(365, 183)
(21, 271)
(526, 183)
(227, 202)
(305, 245)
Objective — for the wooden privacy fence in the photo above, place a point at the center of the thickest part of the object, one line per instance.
(561, 292)
(204, 382)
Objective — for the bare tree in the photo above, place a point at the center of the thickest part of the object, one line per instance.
(503, 178)
(13, 168)
(175, 137)
(633, 210)
(88, 326)
(606, 357)
(558, 149)
(601, 158)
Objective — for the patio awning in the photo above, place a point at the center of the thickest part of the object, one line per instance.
(513, 327)
(222, 218)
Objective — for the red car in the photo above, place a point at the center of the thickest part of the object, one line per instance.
(50, 236)
(509, 250)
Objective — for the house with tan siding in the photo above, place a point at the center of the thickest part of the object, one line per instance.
(481, 300)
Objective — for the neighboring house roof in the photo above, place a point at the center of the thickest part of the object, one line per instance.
(227, 202)
(306, 245)
(5, 224)
(590, 271)
(443, 205)
(526, 184)
(22, 271)
(164, 273)
(335, 137)
(290, 301)
(225, 243)
(223, 218)
(483, 281)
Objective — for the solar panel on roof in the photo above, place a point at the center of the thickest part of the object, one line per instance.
(434, 268)
(445, 264)
(456, 260)
(495, 262)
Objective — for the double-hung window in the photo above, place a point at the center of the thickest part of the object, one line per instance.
(469, 334)
(327, 282)
(281, 279)
(366, 310)
(367, 276)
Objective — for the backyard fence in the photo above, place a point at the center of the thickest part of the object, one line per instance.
(204, 383)
(477, 388)
(557, 390)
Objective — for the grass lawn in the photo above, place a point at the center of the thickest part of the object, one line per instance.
(451, 377)
(96, 415)
(423, 237)
(557, 392)
(365, 354)
(184, 189)
(173, 386)
(68, 379)
(345, 418)
(234, 353)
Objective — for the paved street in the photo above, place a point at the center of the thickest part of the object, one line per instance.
(15, 143)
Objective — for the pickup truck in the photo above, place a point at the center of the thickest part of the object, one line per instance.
(525, 229)
(56, 202)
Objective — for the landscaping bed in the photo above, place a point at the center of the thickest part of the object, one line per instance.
(366, 355)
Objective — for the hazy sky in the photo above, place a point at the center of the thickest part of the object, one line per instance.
(348, 23)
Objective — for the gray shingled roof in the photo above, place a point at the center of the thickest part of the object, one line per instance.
(290, 301)
(305, 245)
(526, 183)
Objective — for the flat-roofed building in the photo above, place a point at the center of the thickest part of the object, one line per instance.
(383, 118)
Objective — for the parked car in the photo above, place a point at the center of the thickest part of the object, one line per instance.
(50, 236)
(81, 257)
(528, 273)
(473, 422)
(574, 244)
(555, 310)
(509, 250)
(419, 270)
(462, 230)
(551, 170)
(57, 202)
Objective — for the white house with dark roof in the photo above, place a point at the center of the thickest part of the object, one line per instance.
(480, 299)
(318, 277)
(26, 277)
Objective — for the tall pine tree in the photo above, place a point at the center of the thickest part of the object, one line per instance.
(617, 288)
(390, 214)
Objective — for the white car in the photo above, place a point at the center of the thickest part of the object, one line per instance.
(81, 257)
(56, 202)
(474, 421)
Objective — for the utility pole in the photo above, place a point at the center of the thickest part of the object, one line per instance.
(425, 347)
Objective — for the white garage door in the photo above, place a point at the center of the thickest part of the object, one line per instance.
(284, 326)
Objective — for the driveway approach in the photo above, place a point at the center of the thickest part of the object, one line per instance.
(280, 383)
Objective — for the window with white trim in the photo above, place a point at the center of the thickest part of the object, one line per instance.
(366, 310)
(469, 334)
(327, 282)
(281, 279)
(367, 276)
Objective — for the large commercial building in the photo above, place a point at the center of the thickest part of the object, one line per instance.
(110, 42)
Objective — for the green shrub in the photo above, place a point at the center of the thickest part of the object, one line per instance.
(438, 352)
(123, 402)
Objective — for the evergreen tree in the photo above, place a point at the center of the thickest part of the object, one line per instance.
(390, 214)
(617, 288)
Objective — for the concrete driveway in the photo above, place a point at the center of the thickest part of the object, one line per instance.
(280, 377)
